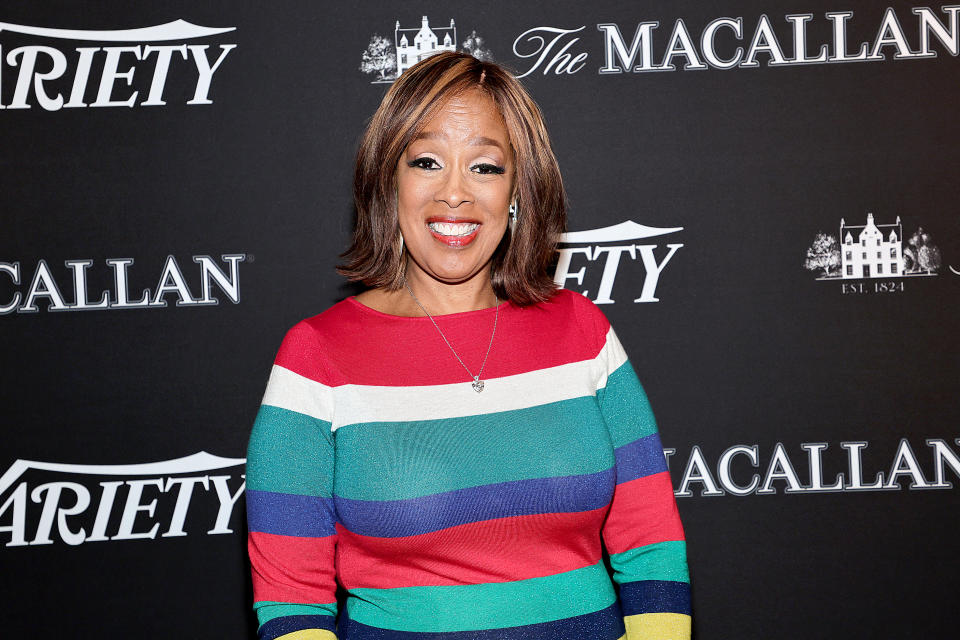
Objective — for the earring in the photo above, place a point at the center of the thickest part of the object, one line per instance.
(401, 264)
(513, 214)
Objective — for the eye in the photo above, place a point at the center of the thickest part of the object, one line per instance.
(425, 162)
(486, 168)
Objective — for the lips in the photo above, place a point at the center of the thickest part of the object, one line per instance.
(453, 232)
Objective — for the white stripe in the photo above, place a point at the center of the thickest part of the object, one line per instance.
(361, 403)
(612, 356)
(289, 390)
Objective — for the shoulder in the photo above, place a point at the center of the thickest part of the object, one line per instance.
(306, 347)
(582, 306)
(571, 306)
(319, 327)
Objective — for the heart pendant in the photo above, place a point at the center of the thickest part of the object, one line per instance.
(477, 384)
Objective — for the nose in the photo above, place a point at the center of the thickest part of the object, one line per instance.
(454, 190)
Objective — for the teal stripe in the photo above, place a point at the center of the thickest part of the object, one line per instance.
(484, 606)
(402, 460)
(267, 611)
(625, 407)
(659, 561)
(290, 452)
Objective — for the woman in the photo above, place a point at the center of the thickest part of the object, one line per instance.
(457, 445)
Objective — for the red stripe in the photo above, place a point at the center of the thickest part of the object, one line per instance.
(643, 512)
(291, 569)
(500, 550)
(568, 329)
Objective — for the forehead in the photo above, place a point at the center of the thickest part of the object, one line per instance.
(467, 115)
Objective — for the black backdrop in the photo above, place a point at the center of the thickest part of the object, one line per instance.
(112, 525)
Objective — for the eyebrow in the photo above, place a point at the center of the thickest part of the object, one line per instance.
(479, 141)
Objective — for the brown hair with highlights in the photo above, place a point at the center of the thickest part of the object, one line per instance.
(520, 263)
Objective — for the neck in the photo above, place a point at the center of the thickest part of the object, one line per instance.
(440, 298)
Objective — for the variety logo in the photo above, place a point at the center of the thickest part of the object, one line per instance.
(79, 503)
(386, 59)
(736, 43)
(607, 248)
(43, 286)
(874, 252)
(53, 77)
(736, 470)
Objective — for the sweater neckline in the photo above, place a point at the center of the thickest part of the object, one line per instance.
(459, 314)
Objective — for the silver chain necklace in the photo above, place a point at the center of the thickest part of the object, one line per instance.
(477, 383)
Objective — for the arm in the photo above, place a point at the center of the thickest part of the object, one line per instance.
(642, 532)
(290, 514)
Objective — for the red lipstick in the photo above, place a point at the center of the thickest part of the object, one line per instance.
(453, 231)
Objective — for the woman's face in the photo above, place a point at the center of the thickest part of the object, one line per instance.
(454, 183)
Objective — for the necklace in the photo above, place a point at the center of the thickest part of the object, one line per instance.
(477, 383)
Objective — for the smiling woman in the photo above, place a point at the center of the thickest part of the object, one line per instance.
(454, 184)
(467, 145)
(460, 446)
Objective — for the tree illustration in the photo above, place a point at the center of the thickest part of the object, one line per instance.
(921, 254)
(823, 254)
(474, 46)
(379, 57)
(929, 258)
(910, 260)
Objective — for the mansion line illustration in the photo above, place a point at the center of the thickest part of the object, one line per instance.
(872, 250)
(386, 60)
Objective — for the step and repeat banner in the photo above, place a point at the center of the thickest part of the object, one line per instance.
(763, 200)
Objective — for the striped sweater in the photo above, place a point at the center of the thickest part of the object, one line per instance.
(444, 513)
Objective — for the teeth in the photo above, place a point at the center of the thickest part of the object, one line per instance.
(453, 228)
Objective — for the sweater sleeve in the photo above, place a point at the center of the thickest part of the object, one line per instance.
(290, 514)
(642, 532)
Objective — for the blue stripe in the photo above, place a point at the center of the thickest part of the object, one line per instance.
(655, 596)
(288, 624)
(288, 514)
(606, 624)
(395, 518)
(640, 458)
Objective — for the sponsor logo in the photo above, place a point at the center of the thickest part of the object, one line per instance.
(875, 252)
(592, 260)
(49, 502)
(386, 59)
(736, 471)
(103, 74)
(42, 285)
(739, 43)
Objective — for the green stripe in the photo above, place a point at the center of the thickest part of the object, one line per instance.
(659, 561)
(267, 611)
(290, 452)
(484, 606)
(400, 460)
(625, 407)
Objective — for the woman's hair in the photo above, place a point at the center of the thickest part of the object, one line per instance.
(520, 263)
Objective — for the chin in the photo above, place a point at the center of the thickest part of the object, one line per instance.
(453, 276)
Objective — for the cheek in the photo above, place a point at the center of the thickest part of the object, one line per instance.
(497, 202)
(411, 196)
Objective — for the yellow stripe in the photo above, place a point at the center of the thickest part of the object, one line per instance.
(658, 626)
(309, 634)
